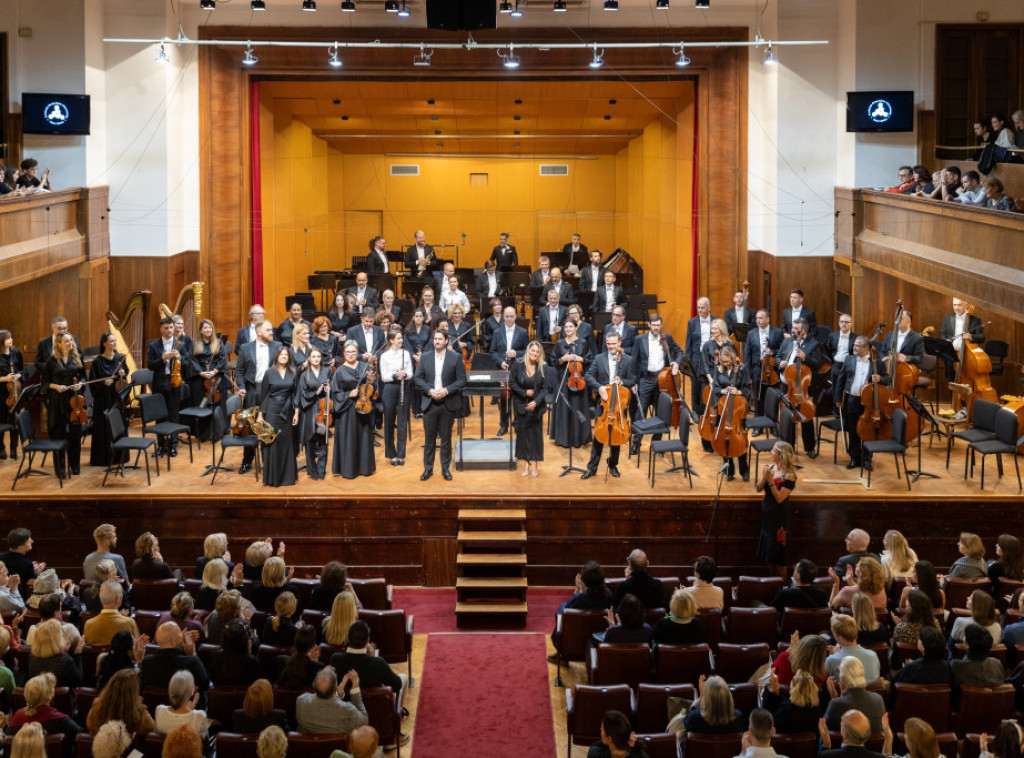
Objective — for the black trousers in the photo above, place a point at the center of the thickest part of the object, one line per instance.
(73, 435)
(852, 410)
(744, 462)
(596, 448)
(396, 418)
(316, 456)
(647, 398)
(437, 419)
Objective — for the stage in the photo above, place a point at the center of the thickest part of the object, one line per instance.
(394, 525)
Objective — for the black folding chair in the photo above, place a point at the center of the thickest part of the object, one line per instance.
(660, 423)
(1005, 442)
(119, 441)
(31, 446)
(897, 445)
(154, 421)
(228, 440)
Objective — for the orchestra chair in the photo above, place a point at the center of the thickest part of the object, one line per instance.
(982, 709)
(384, 713)
(712, 745)
(191, 416)
(155, 421)
(997, 350)
(683, 663)
(784, 430)
(737, 663)
(652, 704)
(659, 423)
(659, 744)
(573, 628)
(1005, 442)
(586, 705)
(31, 446)
(625, 663)
(897, 445)
(926, 376)
(931, 702)
(53, 745)
(804, 620)
(749, 626)
(119, 440)
(799, 745)
(983, 426)
(391, 633)
(762, 589)
(835, 425)
(671, 446)
(221, 431)
(234, 745)
(770, 419)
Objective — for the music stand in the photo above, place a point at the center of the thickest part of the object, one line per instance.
(919, 408)
(740, 329)
(322, 282)
(942, 349)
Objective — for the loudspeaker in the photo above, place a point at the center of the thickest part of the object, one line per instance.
(461, 15)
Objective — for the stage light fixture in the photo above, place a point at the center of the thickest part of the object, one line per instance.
(516, 13)
(611, 5)
(207, 5)
(334, 60)
(661, 5)
(682, 61)
(249, 59)
(348, 6)
(702, 4)
(161, 57)
(511, 60)
(258, 5)
(560, 6)
(769, 56)
(505, 7)
(309, 5)
(403, 11)
(423, 59)
(391, 6)
(598, 60)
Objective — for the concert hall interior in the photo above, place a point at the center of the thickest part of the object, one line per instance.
(227, 190)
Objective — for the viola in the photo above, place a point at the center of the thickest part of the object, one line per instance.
(176, 368)
(672, 386)
(769, 375)
(367, 390)
(466, 361)
(13, 393)
(798, 384)
(875, 423)
(212, 392)
(613, 426)
(323, 409)
(576, 381)
(730, 439)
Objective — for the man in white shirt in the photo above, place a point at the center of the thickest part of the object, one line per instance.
(798, 310)
(652, 352)
(377, 260)
(365, 295)
(440, 377)
(590, 276)
(254, 358)
(419, 255)
(508, 343)
(551, 318)
(540, 277)
(840, 344)
(248, 333)
(971, 193)
(698, 331)
(958, 326)
(577, 250)
(608, 295)
(489, 283)
(855, 374)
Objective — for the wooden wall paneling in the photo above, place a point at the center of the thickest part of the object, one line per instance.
(164, 277)
(759, 266)
(439, 555)
(93, 221)
(26, 309)
(813, 275)
(926, 137)
(39, 235)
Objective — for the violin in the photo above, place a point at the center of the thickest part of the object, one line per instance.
(875, 423)
(323, 408)
(613, 426)
(212, 392)
(798, 384)
(176, 367)
(769, 375)
(576, 380)
(730, 438)
(13, 393)
(367, 390)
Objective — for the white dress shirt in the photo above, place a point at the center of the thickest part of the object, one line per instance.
(843, 347)
(609, 298)
(509, 334)
(262, 359)
(763, 335)
(862, 375)
(252, 333)
(739, 314)
(959, 327)
(795, 314)
(449, 298)
(492, 284)
(368, 338)
(595, 277)
(900, 336)
(705, 330)
(384, 257)
(792, 355)
(655, 353)
(393, 361)
(168, 347)
(438, 368)
(553, 318)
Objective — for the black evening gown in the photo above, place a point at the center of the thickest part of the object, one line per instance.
(313, 439)
(353, 431)
(10, 363)
(277, 406)
(771, 544)
(567, 430)
(58, 410)
(104, 397)
(328, 348)
(529, 424)
(206, 360)
(416, 343)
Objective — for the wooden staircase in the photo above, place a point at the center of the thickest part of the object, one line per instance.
(491, 584)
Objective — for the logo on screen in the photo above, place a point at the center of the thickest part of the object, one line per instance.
(56, 114)
(880, 111)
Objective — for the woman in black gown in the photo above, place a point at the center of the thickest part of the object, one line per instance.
(567, 429)
(583, 330)
(12, 367)
(300, 346)
(324, 341)
(528, 382)
(108, 365)
(491, 323)
(341, 316)
(777, 481)
(62, 378)
(314, 385)
(208, 361)
(730, 376)
(277, 408)
(417, 336)
(430, 308)
(353, 431)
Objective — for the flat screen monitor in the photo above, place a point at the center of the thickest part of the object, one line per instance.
(880, 111)
(47, 113)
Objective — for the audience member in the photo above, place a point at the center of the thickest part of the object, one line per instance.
(28, 179)
(591, 594)
(983, 613)
(214, 546)
(234, 664)
(706, 594)
(1018, 127)
(971, 191)
(995, 198)
(850, 692)
(333, 579)
(1007, 744)
(920, 740)
(49, 608)
(682, 626)
(950, 183)
(971, 563)
(273, 743)
(177, 652)
(906, 174)
(857, 542)
(926, 580)
(38, 696)
(215, 581)
(297, 671)
(932, 667)
(105, 571)
(258, 711)
(870, 631)
(804, 654)
(323, 711)
(363, 743)
(10, 596)
(617, 739)
(111, 741)
(124, 652)
(6, 675)
(256, 555)
(274, 580)
(230, 605)
(1009, 563)
(49, 655)
(99, 629)
(757, 740)
(802, 594)
(1002, 131)
(976, 667)
(48, 583)
(183, 742)
(279, 629)
(867, 577)
(713, 712)
(343, 614)
(844, 629)
(120, 700)
(919, 615)
(898, 558)
(799, 711)
(181, 613)
(628, 624)
(372, 670)
(148, 563)
(1013, 634)
(182, 697)
(639, 582)
(922, 184)
(855, 729)
(105, 536)
(29, 742)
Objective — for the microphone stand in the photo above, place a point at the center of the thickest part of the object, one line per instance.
(714, 508)
(560, 395)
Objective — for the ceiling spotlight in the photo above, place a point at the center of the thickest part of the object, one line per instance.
(161, 57)
(505, 7)
(403, 11)
(258, 5)
(560, 6)
(661, 5)
(207, 5)
(598, 60)
(702, 4)
(516, 13)
(423, 59)
(309, 5)
(334, 60)
(682, 60)
(391, 6)
(511, 60)
(348, 6)
(249, 59)
(611, 5)
(769, 56)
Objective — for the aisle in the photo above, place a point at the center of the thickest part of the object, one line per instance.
(433, 608)
(484, 694)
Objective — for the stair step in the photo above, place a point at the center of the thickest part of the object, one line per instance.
(491, 559)
(491, 608)
(491, 583)
(493, 514)
(507, 536)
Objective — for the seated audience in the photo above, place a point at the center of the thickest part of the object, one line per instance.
(38, 696)
(844, 629)
(639, 582)
(922, 182)
(870, 631)
(932, 667)
(233, 664)
(359, 657)
(343, 614)
(867, 577)
(802, 594)
(898, 558)
(48, 583)
(925, 579)
(258, 711)
(971, 191)
(857, 542)
(279, 629)
(1009, 563)
(627, 624)
(976, 667)
(120, 700)
(704, 592)
(906, 175)
(297, 671)
(323, 711)
(6, 675)
(363, 743)
(28, 180)
(214, 546)
(105, 536)
(183, 742)
(995, 198)
(682, 626)
(799, 711)
(230, 605)
(591, 593)
(949, 186)
(105, 571)
(124, 652)
(274, 580)
(102, 627)
(215, 580)
(1013, 634)
(273, 743)
(255, 556)
(15, 558)
(971, 563)
(855, 729)
(149, 563)
(1003, 131)
(177, 652)
(616, 739)
(757, 740)
(919, 615)
(983, 613)
(48, 654)
(10, 596)
(852, 693)
(182, 697)
(333, 579)
(29, 742)
(713, 712)
(804, 654)
(111, 741)
(1007, 743)
(49, 608)
(181, 613)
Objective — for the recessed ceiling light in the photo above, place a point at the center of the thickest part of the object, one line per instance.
(560, 6)
(207, 5)
(391, 6)
(611, 5)
(258, 5)
(309, 5)
(403, 12)
(348, 6)
(661, 5)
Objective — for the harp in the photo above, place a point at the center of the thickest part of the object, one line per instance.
(129, 328)
(189, 306)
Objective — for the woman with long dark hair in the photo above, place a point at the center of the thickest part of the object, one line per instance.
(570, 415)
(417, 338)
(277, 408)
(1009, 562)
(396, 370)
(108, 366)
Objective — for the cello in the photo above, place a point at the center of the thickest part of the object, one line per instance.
(730, 439)
(875, 423)
(613, 425)
(672, 386)
(903, 380)
(709, 419)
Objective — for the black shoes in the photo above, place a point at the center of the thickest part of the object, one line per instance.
(587, 474)
(503, 431)
(613, 471)
(245, 468)
(867, 465)
(812, 453)
(426, 475)
(446, 474)
(853, 464)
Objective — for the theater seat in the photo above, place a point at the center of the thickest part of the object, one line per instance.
(652, 704)
(585, 706)
(712, 745)
(316, 745)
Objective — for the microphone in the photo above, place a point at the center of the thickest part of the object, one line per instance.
(725, 467)
(582, 418)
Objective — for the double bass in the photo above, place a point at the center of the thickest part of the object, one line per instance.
(613, 425)
(798, 379)
(875, 423)
(902, 381)
(973, 370)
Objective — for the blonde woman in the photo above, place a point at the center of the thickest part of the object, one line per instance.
(529, 384)
(274, 580)
(49, 655)
(343, 614)
(29, 742)
(777, 481)
(215, 581)
(971, 563)
(682, 625)
(214, 546)
(61, 381)
(301, 346)
(898, 558)
(713, 712)
(256, 555)
(797, 713)
(869, 630)
(111, 741)
(37, 710)
(280, 629)
(711, 348)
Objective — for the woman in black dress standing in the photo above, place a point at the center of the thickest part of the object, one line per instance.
(314, 385)
(277, 408)
(730, 377)
(491, 324)
(430, 307)
(12, 366)
(209, 362)
(62, 379)
(353, 431)
(300, 346)
(324, 341)
(417, 336)
(528, 382)
(108, 365)
(777, 481)
(567, 430)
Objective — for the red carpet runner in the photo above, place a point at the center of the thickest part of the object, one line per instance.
(434, 609)
(484, 695)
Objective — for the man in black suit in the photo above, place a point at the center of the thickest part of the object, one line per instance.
(803, 594)
(369, 337)
(698, 331)
(44, 349)
(490, 283)
(796, 310)
(611, 363)
(855, 373)
(550, 319)
(809, 352)
(856, 729)
(762, 341)
(248, 333)
(740, 312)
(625, 330)
(377, 260)
(608, 295)
(640, 583)
(254, 358)
(651, 353)
(440, 377)
(366, 296)
(540, 277)
(419, 255)
(840, 345)
(958, 326)
(373, 670)
(577, 250)
(909, 344)
(440, 280)
(160, 356)
(508, 344)
(555, 282)
(503, 253)
(592, 275)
